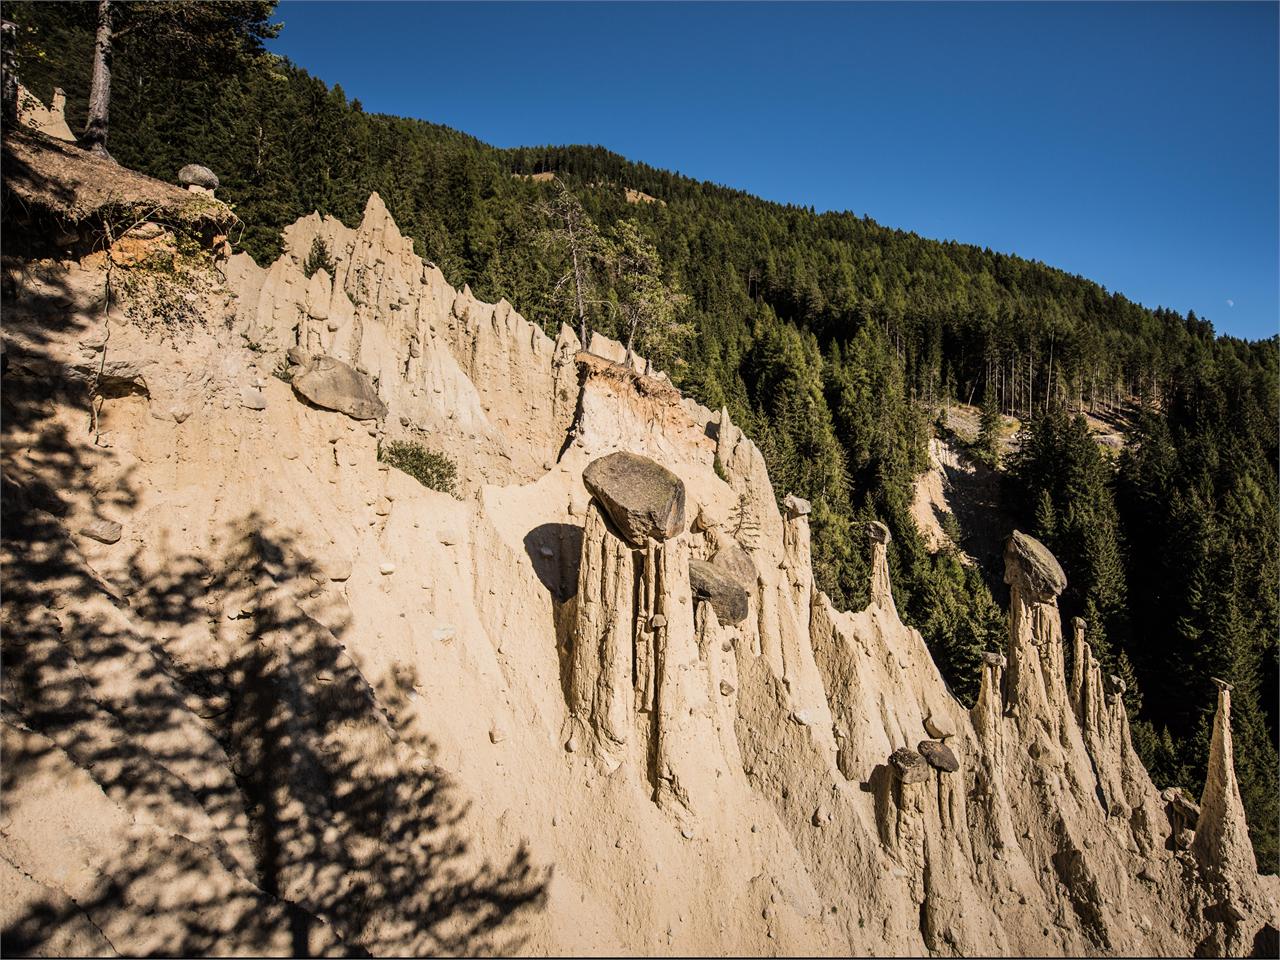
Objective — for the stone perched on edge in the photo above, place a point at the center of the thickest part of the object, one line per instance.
(1029, 562)
(796, 506)
(938, 731)
(731, 560)
(877, 532)
(643, 498)
(910, 766)
(939, 755)
(332, 384)
(727, 597)
(195, 175)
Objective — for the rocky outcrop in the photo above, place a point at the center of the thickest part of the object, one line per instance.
(727, 597)
(332, 384)
(643, 499)
(50, 120)
(601, 687)
(202, 178)
(1124, 787)
(881, 590)
(471, 377)
(1221, 843)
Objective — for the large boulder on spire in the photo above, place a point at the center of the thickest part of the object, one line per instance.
(644, 499)
(1029, 564)
(195, 175)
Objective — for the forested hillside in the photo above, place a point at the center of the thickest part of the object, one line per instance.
(835, 342)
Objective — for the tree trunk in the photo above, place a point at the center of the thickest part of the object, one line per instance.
(95, 128)
(1048, 387)
(577, 288)
(1031, 384)
(9, 71)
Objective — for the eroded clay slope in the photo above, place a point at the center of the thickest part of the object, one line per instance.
(296, 701)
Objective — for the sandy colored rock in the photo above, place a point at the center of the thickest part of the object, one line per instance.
(102, 530)
(937, 729)
(51, 120)
(1222, 834)
(532, 739)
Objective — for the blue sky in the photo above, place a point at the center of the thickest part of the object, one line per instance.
(1136, 144)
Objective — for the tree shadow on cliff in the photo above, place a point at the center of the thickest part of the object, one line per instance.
(352, 836)
(279, 801)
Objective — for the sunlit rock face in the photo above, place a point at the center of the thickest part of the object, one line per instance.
(264, 693)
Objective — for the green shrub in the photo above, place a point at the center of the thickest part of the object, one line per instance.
(431, 469)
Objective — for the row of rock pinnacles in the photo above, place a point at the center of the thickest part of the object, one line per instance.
(643, 505)
(642, 621)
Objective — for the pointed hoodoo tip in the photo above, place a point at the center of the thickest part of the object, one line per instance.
(1029, 565)
(567, 340)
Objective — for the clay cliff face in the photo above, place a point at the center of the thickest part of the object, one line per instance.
(296, 701)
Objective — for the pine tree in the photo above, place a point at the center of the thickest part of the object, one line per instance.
(574, 236)
(1046, 519)
(988, 444)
